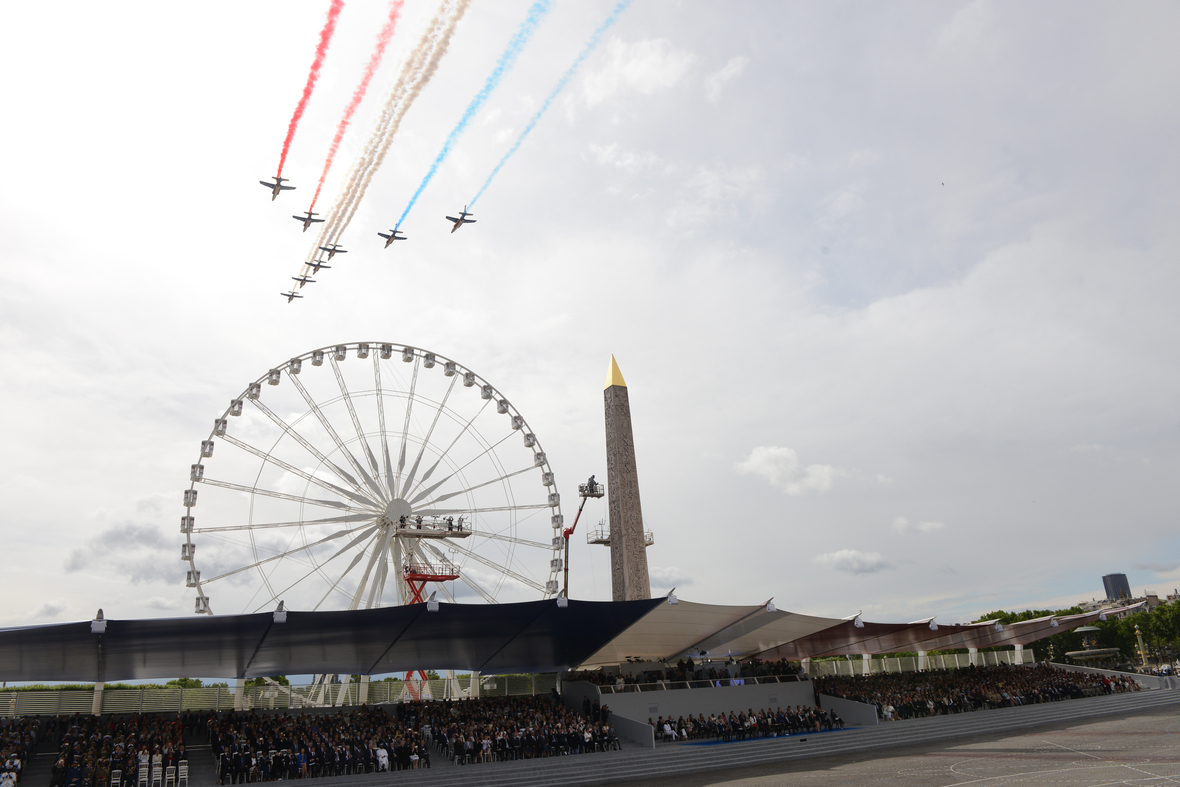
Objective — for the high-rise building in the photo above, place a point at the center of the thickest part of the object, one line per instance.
(1116, 586)
(628, 555)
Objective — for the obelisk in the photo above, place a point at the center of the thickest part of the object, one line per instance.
(628, 556)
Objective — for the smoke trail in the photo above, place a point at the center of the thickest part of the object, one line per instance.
(507, 60)
(429, 66)
(395, 9)
(313, 76)
(561, 83)
(416, 72)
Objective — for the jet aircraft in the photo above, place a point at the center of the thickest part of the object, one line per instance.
(391, 237)
(307, 220)
(459, 222)
(303, 280)
(290, 296)
(333, 249)
(276, 187)
(315, 265)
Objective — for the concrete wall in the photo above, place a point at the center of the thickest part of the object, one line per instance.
(634, 730)
(855, 714)
(643, 705)
(1146, 681)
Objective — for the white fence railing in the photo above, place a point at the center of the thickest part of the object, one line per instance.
(855, 666)
(176, 700)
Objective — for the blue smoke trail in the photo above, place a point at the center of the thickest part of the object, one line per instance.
(507, 60)
(586, 50)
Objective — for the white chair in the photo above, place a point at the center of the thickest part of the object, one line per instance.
(157, 775)
(116, 778)
(170, 776)
(182, 774)
(142, 779)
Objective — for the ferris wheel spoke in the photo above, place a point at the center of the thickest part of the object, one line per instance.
(472, 488)
(300, 473)
(331, 520)
(511, 539)
(378, 551)
(353, 564)
(318, 568)
(356, 422)
(378, 588)
(304, 548)
(433, 467)
(253, 490)
(458, 470)
(464, 578)
(401, 454)
(505, 570)
(441, 511)
(426, 440)
(288, 429)
(378, 582)
(381, 422)
(331, 430)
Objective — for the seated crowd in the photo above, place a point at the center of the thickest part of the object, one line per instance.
(750, 725)
(18, 740)
(253, 747)
(908, 695)
(93, 749)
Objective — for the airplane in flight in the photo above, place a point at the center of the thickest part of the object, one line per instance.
(315, 265)
(307, 220)
(333, 249)
(290, 296)
(276, 187)
(391, 237)
(459, 222)
(303, 280)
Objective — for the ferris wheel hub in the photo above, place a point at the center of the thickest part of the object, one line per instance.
(397, 508)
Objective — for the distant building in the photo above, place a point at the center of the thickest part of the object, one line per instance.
(1116, 586)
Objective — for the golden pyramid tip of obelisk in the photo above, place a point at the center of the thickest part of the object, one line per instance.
(613, 375)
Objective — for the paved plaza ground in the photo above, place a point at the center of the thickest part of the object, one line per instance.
(1142, 748)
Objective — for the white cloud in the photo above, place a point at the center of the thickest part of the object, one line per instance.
(852, 561)
(627, 160)
(141, 553)
(646, 67)
(715, 81)
(713, 193)
(781, 468)
(162, 603)
(51, 609)
(1158, 568)
(905, 527)
(669, 577)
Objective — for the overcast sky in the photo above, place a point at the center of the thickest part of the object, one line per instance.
(893, 286)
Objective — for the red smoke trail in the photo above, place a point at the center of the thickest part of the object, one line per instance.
(395, 9)
(312, 77)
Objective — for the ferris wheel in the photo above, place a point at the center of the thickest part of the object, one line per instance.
(369, 474)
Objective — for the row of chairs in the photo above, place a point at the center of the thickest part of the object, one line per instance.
(172, 776)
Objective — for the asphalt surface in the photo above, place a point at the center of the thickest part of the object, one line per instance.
(1138, 749)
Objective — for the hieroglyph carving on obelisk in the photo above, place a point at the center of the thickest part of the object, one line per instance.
(628, 556)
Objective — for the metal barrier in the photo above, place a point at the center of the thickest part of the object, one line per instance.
(946, 661)
(670, 685)
(176, 700)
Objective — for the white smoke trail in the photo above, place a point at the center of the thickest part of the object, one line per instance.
(415, 74)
